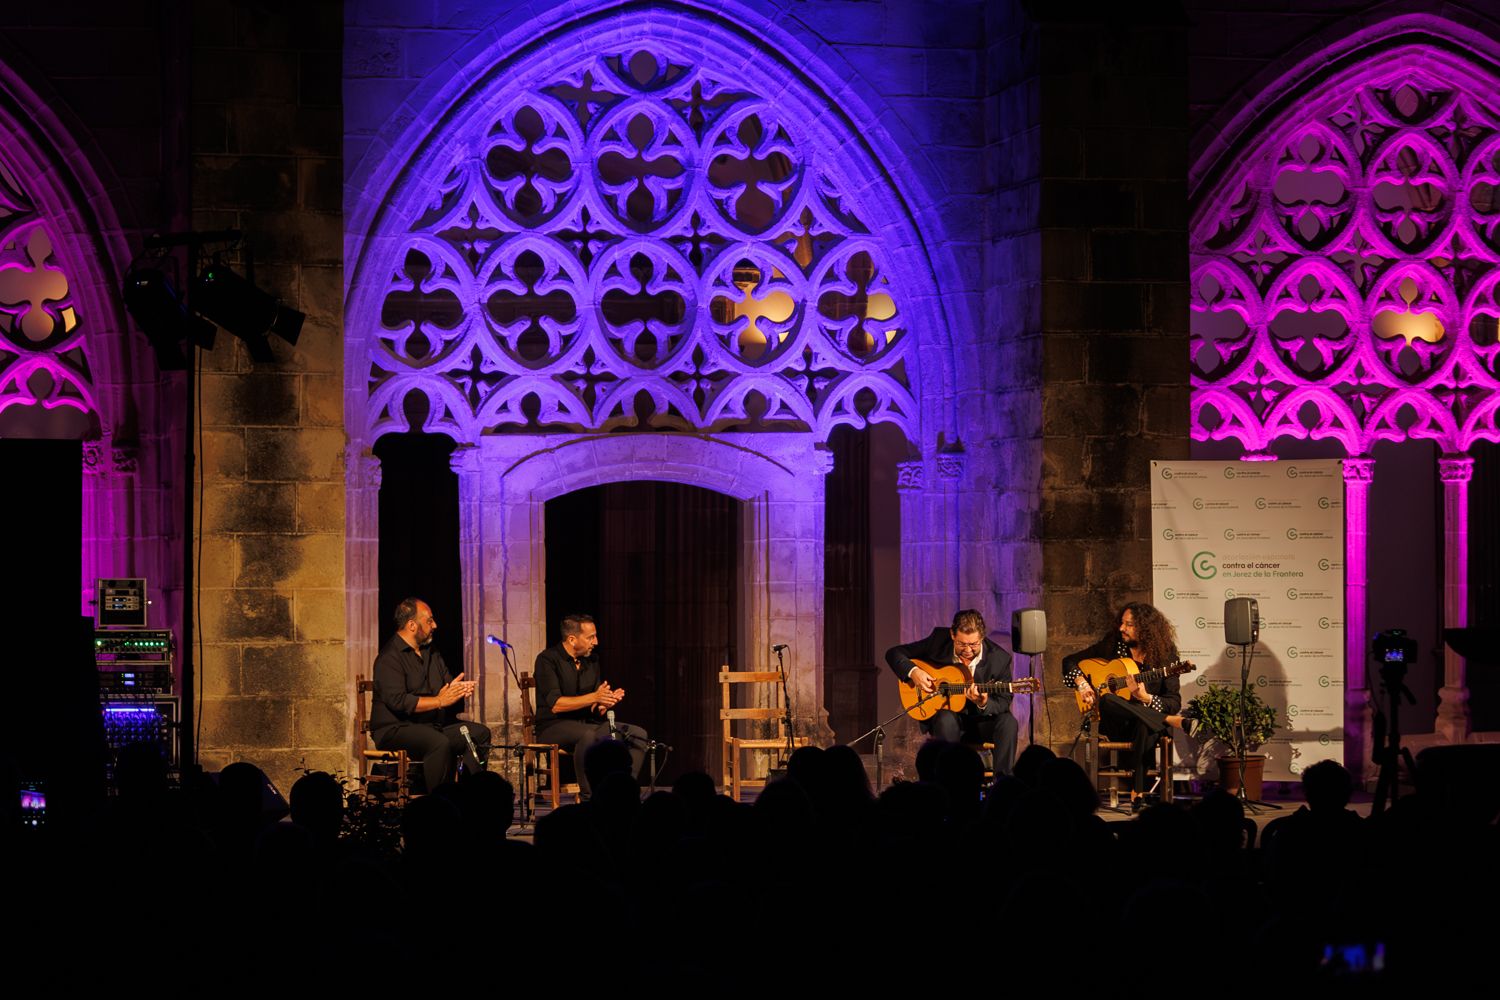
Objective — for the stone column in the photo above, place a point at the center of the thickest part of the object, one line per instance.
(361, 563)
(465, 463)
(1453, 722)
(1358, 474)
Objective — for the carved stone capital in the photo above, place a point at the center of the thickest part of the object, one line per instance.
(1359, 470)
(465, 460)
(822, 461)
(950, 466)
(911, 475)
(363, 470)
(1455, 469)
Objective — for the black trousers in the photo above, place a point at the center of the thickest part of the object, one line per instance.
(1140, 725)
(971, 726)
(438, 748)
(576, 737)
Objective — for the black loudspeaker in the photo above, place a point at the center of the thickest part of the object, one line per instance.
(1241, 621)
(1028, 631)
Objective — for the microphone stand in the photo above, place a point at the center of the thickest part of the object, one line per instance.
(879, 733)
(1240, 730)
(786, 703)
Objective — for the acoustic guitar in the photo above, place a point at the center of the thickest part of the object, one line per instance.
(952, 682)
(1110, 677)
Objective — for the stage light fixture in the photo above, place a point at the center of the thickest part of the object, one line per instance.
(235, 304)
(153, 302)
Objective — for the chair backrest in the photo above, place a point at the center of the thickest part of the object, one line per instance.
(363, 687)
(526, 685)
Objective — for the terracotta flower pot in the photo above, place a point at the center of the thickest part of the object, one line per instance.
(1255, 770)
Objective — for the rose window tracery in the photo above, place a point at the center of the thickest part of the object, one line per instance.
(1344, 272)
(42, 357)
(632, 244)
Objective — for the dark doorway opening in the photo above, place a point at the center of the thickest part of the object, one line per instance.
(657, 565)
(419, 536)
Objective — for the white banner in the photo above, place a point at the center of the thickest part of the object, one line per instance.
(1273, 531)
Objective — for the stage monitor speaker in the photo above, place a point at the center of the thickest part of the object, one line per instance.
(1028, 631)
(1241, 621)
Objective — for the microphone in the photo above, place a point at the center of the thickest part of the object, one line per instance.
(779, 647)
(473, 750)
(609, 716)
(496, 640)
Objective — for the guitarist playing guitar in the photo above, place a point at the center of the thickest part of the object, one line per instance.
(983, 717)
(1135, 712)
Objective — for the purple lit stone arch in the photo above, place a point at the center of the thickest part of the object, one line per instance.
(1345, 255)
(60, 224)
(578, 120)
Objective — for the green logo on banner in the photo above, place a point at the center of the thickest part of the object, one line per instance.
(1228, 593)
(1323, 739)
(1200, 622)
(1201, 681)
(1291, 533)
(1323, 681)
(1204, 567)
(1229, 472)
(1169, 594)
(1325, 623)
(1291, 651)
(1197, 503)
(1261, 680)
(1291, 593)
(1229, 534)
(1260, 503)
(1166, 472)
(1168, 534)
(1291, 472)
(1324, 503)
(1324, 564)
(1292, 711)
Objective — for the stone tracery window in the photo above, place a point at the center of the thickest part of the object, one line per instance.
(1344, 274)
(42, 358)
(640, 243)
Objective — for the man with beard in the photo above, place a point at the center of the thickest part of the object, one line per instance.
(417, 701)
(1141, 712)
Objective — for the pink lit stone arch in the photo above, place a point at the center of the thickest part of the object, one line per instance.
(63, 328)
(1344, 272)
(1345, 261)
(667, 235)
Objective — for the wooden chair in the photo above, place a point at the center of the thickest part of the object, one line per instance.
(1100, 767)
(735, 745)
(387, 761)
(541, 758)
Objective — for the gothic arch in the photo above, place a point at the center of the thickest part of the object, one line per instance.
(65, 330)
(607, 219)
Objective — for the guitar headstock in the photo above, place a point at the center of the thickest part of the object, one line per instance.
(1026, 685)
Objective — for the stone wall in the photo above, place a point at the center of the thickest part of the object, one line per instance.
(265, 111)
(1113, 216)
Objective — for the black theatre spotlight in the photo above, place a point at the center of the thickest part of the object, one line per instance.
(157, 309)
(238, 306)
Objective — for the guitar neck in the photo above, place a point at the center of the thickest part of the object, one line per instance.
(997, 687)
(1146, 676)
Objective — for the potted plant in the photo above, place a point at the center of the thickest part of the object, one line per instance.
(1218, 712)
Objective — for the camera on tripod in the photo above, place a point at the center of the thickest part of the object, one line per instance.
(1394, 651)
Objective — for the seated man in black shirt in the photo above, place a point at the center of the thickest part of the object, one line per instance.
(575, 705)
(1140, 713)
(417, 701)
(985, 718)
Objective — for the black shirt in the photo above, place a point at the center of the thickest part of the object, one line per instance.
(1166, 694)
(557, 677)
(402, 675)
